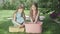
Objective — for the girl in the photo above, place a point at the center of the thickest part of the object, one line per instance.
(19, 17)
(34, 13)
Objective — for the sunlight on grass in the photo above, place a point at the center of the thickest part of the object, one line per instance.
(48, 32)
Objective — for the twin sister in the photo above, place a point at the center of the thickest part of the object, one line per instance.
(19, 15)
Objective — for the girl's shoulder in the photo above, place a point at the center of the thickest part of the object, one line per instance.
(14, 13)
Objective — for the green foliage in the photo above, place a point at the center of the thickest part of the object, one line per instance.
(12, 4)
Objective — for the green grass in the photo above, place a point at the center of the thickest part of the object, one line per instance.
(48, 27)
(9, 13)
(5, 23)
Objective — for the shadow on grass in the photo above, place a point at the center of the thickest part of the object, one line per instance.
(50, 27)
(4, 28)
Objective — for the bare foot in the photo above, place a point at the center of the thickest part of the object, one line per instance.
(22, 26)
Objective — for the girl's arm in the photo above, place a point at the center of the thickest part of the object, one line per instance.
(31, 19)
(14, 17)
(36, 17)
(31, 16)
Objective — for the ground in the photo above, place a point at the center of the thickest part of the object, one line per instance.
(48, 27)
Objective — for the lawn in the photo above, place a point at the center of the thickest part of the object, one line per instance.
(49, 26)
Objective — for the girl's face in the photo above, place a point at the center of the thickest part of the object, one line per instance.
(33, 7)
(20, 10)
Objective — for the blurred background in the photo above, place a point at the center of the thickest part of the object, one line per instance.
(47, 8)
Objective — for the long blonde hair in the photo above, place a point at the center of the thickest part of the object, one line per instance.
(31, 11)
(19, 7)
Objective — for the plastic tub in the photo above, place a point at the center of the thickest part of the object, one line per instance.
(33, 28)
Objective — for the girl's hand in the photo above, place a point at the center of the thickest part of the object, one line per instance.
(35, 22)
(36, 17)
(31, 20)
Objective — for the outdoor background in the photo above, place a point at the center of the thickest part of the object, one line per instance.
(7, 7)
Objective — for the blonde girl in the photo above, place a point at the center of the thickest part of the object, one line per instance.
(19, 16)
